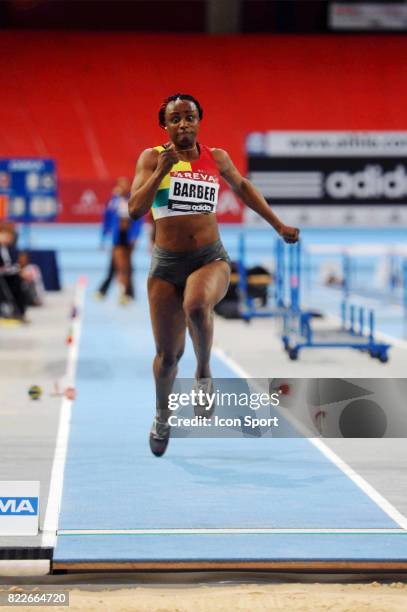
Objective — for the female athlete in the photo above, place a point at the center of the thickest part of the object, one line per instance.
(190, 269)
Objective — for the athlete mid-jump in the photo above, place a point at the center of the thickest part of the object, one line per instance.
(190, 269)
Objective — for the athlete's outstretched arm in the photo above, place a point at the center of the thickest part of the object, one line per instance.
(150, 170)
(251, 196)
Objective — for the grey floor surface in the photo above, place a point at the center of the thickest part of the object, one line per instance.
(33, 354)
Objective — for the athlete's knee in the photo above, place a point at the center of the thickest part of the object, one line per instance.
(197, 312)
(167, 360)
(180, 353)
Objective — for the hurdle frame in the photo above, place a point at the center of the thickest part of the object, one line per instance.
(297, 323)
(247, 307)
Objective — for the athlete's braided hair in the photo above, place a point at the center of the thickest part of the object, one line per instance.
(177, 96)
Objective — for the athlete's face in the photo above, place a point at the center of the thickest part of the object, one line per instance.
(182, 123)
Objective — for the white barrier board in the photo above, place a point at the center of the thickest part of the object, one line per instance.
(19, 508)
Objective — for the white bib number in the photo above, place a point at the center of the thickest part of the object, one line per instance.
(187, 195)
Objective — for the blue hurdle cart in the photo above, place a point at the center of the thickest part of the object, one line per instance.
(247, 304)
(357, 330)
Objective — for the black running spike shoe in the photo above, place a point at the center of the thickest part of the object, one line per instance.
(159, 437)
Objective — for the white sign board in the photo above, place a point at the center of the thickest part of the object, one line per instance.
(327, 144)
(385, 16)
(331, 178)
(19, 508)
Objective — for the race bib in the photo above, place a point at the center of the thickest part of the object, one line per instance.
(189, 196)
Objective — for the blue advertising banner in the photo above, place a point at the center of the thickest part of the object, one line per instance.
(28, 190)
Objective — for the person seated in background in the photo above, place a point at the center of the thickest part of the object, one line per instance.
(13, 303)
(32, 284)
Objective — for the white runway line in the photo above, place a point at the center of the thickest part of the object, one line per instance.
(230, 363)
(58, 466)
(227, 531)
(358, 480)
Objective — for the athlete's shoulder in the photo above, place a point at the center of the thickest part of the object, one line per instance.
(151, 151)
(221, 157)
(148, 158)
(160, 147)
(218, 152)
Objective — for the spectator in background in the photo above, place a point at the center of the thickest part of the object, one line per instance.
(106, 231)
(13, 302)
(32, 282)
(124, 233)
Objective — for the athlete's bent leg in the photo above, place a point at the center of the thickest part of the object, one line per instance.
(204, 289)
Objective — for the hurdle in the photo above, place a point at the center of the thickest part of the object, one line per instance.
(394, 290)
(298, 332)
(247, 306)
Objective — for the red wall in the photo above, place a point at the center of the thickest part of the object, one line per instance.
(91, 100)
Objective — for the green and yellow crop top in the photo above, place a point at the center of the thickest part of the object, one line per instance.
(191, 188)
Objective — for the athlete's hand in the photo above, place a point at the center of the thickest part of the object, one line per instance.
(289, 234)
(166, 160)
